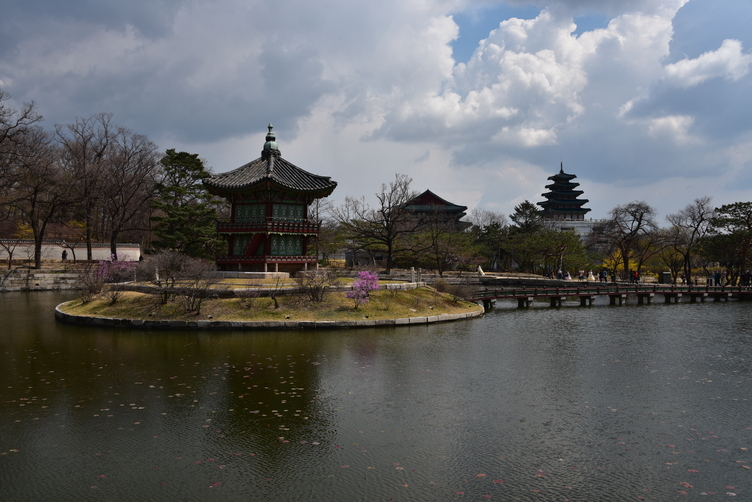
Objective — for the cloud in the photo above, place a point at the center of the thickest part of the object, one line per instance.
(674, 129)
(361, 90)
(727, 62)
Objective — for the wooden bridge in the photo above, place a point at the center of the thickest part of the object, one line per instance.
(617, 294)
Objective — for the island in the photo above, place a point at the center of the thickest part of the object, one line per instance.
(263, 308)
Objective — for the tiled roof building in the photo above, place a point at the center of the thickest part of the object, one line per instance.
(269, 224)
(431, 208)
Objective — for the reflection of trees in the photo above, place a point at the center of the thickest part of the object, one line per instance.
(98, 383)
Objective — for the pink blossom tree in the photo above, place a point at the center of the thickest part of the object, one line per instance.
(362, 287)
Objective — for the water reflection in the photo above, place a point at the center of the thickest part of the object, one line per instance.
(543, 404)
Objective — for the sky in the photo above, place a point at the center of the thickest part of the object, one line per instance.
(478, 101)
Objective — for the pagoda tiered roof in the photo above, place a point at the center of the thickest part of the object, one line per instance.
(562, 200)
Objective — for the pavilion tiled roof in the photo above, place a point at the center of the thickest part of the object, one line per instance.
(270, 167)
(282, 172)
(432, 202)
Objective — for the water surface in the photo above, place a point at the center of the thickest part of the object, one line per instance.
(575, 403)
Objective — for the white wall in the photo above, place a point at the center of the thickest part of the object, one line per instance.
(24, 250)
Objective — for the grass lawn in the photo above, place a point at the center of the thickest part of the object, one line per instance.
(383, 304)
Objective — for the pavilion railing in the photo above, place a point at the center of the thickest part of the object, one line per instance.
(267, 259)
(269, 224)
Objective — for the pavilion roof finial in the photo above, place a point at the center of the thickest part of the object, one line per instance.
(271, 139)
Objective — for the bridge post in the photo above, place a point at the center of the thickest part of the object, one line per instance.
(676, 296)
(524, 302)
(587, 300)
(620, 297)
(694, 296)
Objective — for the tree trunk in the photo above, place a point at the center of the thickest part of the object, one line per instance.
(89, 254)
(37, 253)
(113, 246)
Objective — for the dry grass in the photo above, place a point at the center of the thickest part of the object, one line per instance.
(383, 305)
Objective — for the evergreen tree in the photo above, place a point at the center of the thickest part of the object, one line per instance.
(527, 218)
(185, 212)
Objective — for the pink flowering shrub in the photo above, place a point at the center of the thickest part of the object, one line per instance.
(116, 271)
(362, 287)
(94, 277)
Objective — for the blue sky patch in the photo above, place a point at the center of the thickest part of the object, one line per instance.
(476, 24)
(590, 23)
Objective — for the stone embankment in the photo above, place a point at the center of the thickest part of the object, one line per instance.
(29, 279)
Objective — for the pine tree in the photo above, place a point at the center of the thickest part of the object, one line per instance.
(185, 212)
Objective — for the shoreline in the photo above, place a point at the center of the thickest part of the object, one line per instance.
(99, 321)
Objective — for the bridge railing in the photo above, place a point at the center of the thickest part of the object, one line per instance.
(517, 292)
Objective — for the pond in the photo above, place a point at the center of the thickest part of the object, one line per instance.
(575, 403)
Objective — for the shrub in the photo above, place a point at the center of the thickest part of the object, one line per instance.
(461, 292)
(362, 287)
(248, 295)
(92, 282)
(315, 283)
(197, 278)
(178, 275)
(441, 286)
(94, 277)
(163, 270)
(117, 271)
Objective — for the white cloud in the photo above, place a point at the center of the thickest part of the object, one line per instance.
(728, 62)
(361, 90)
(673, 128)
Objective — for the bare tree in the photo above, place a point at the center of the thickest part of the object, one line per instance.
(14, 128)
(688, 227)
(439, 243)
(630, 233)
(482, 218)
(163, 270)
(10, 237)
(380, 228)
(14, 124)
(315, 283)
(41, 188)
(85, 148)
(198, 278)
(131, 173)
(319, 211)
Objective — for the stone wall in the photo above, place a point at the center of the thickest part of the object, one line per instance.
(26, 279)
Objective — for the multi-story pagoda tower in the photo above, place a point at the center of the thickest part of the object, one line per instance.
(269, 225)
(562, 202)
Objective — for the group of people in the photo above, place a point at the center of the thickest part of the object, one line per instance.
(566, 276)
